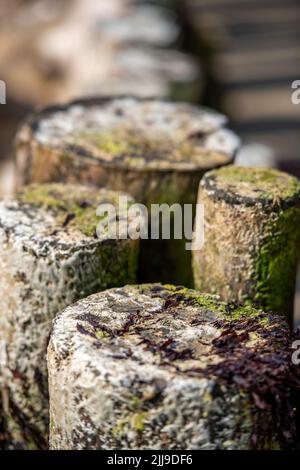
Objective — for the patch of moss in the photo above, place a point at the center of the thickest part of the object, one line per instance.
(276, 266)
(135, 402)
(61, 200)
(207, 301)
(135, 421)
(121, 142)
(86, 220)
(111, 143)
(268, 182)
(210, 302)
(138, 421)
(41, 195)
(137, 148)
(135, 418)
(239, 312)
(115, 265)
(101, 334)
(119, 429)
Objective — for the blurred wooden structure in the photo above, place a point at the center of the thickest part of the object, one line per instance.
(252, 50)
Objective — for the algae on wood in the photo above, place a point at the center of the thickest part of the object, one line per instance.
(156, 150)
(164, 367)
(252, 237)
(50, 257)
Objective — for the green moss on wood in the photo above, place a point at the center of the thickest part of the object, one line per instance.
(137, 148)
(277, 261)
(138, 421)
(210, 302)
(267, 183)
(66, 201)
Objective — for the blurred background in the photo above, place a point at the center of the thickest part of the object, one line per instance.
(237, 56)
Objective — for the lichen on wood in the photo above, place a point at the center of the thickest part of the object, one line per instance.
(50, 257)
(252, 237)
(156, 150)
(164, 367)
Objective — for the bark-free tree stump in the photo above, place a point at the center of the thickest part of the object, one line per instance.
(252, 236)
(49, 258)
(155, 150)
(160, 367)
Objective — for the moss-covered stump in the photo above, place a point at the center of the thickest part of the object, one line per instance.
(160, 367)
(252, 237)
(50, 257)
(156, 150)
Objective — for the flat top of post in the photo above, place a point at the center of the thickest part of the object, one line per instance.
(61, 213)
(171, 331)
(138, 134)
(249, 186)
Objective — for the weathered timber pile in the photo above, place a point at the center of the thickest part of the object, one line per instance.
(252, 57)
(50, 257)
(157, 367)
(87, 48)
(156, 150)
(146, 366)
(91, 36)
(252, 237)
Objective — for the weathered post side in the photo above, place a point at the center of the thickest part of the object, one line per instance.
(156, 150)
(50, 257)
(159, 367)
(252, 237)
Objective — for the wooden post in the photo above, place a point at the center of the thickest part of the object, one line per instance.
(156, 150)
(50, 257)
(252, 237)
(160, 367)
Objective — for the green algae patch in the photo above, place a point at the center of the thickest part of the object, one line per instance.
(138, 421)
(258, 183)
(115, 143)
(276, 265)
(136, 149)
(42, 196)
(252, 237)
(209, 302)
(120, 428)
(135, 422)
(71, 205)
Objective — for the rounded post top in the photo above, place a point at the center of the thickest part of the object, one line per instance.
(60, 213)
(250, 186)
(136, 133)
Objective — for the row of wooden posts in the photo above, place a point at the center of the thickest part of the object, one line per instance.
(145, 366)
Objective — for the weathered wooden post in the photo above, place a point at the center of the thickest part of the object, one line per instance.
(156, 150)
(252, 236)
(50, 256)
(159, 367)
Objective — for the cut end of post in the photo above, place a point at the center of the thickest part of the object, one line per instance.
(139, 134)
(162, 351)
(73, 208)
(252, 237)
(252, 186)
